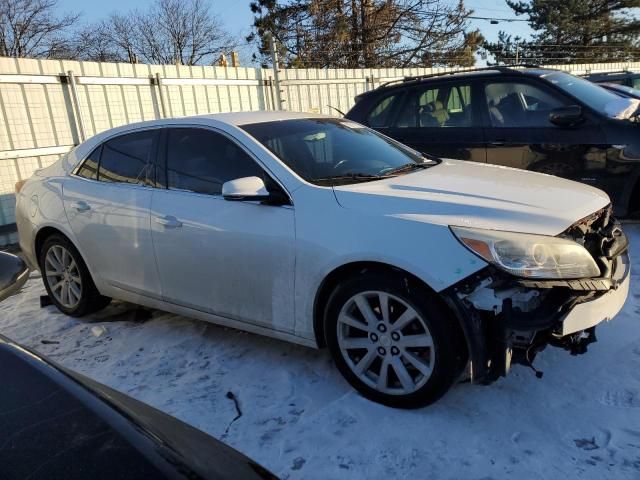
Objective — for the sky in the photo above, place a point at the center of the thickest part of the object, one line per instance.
(237, 18)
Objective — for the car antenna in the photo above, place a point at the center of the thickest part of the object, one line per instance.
(336, 109)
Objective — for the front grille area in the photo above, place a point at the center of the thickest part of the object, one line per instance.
(600, 233)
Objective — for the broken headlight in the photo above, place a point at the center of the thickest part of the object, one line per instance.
(530, 256)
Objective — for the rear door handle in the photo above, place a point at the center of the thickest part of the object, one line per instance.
(169, 221)
(81, 206)
(497, 143)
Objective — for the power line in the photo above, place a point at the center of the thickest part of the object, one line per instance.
(497, 19)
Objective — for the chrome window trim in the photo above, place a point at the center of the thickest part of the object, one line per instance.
(240, 145)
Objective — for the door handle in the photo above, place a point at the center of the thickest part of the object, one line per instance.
(81, 206)
(168, 221)
(498, 143)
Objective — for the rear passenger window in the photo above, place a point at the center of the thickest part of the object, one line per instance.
(89, 168)
(380, 115)
(200, 161)
(443, 106)
(127, 158)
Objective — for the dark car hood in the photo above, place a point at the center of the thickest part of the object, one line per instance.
(58, 424)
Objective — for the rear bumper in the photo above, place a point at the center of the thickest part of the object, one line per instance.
(604, 308)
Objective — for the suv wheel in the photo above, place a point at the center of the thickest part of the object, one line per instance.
(67, 279)
(395, 345)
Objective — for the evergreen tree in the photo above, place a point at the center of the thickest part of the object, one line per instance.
(365, 33)
(573, 31)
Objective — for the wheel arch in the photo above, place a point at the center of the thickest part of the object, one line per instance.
(45, 232)
(347, 270)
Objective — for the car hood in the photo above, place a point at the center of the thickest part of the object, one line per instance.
(477, 195)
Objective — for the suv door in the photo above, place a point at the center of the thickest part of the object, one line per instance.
(441, 119)
(234, 259)
(107, 203)
(519, 133)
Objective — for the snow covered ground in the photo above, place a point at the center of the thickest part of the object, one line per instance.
(301, 420)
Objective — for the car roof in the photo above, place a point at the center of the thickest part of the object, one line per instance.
(235, 119)
(244, 118)
(612, 75)
(533, 71)
(214, 119)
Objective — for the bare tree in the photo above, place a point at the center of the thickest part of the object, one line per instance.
(31, 28)
(170, 31)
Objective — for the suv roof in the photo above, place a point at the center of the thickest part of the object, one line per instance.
(609, 76)
(524, 69)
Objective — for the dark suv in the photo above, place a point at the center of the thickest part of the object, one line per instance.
(627, 78)
(532, 118)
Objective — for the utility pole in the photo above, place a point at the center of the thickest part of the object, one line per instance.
(276, 69)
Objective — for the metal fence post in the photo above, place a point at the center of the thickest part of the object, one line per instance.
(161, 95)
(276, 70)
(76, 106)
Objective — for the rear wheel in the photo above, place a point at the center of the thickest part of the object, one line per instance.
(395, 345)
(67, 279)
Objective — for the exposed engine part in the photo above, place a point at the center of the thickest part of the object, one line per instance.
(486, 298)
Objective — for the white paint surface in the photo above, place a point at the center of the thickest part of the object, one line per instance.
(301, 420)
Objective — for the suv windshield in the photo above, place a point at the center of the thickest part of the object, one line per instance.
(328, 151)
(596, 97)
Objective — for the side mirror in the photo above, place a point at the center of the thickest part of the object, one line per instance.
(13, 274)
(566, 116)
(247, 189)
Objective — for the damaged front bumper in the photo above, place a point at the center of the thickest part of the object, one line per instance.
(509, 320)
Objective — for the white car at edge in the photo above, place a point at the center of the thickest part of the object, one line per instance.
(321, 232)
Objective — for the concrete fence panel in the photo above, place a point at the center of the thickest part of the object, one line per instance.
(48, 106)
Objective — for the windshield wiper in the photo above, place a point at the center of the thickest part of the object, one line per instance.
(406, 167)
(355, 177)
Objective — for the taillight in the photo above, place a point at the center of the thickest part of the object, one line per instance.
(19, 185)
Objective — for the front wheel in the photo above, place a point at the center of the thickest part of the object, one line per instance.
(67, 278)
(394, 344)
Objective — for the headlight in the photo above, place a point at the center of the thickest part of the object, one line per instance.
(530, 256)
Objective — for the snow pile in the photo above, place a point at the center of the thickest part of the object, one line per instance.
(301, 420)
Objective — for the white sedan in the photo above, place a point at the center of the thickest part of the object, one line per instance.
(319, 231)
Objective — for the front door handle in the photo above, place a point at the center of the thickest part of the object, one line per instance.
(169, 221)
(81, 206)
(498, 143)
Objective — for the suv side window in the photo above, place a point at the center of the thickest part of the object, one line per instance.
(518, 104)
(380, 115)
(128, 158)
(200, 161)
(636, 83)
(444, 106)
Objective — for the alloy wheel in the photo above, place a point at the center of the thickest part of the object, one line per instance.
(63, 276)
(385, 342)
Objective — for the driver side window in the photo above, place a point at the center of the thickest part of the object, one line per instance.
(514, 104)
(200, 161)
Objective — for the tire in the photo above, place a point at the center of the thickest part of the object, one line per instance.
(359, 355)
(82, 297)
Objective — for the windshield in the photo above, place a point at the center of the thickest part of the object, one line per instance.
(328, 151)
(596, 97)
